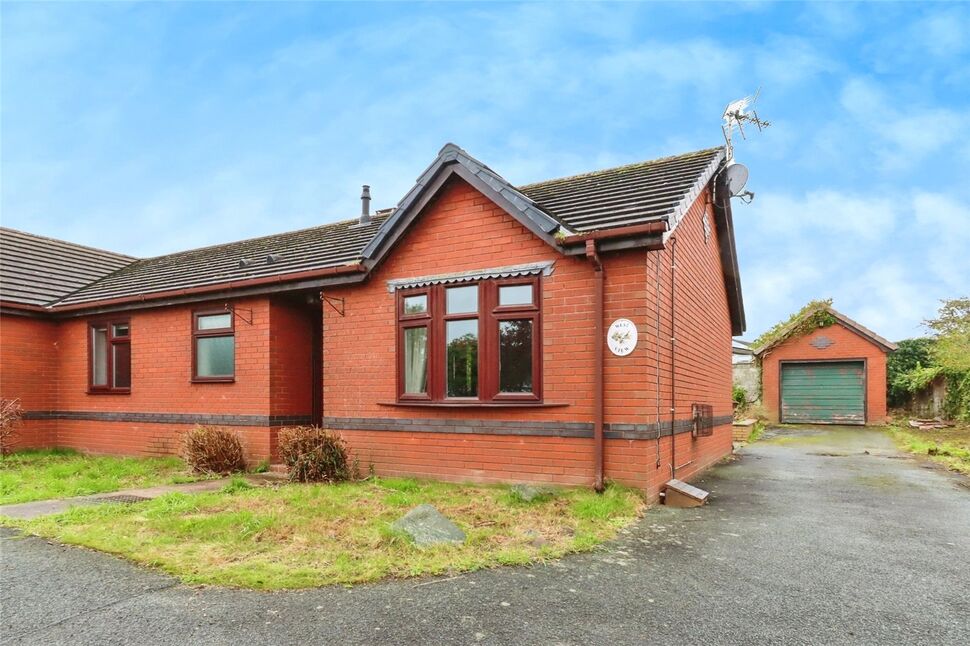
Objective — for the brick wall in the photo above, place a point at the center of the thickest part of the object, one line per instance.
(291, 360)
(161, 381)
(702, 328)
(139, 438)
(847, 344)
(462, 230)
(28, 371)
(161, 365)
(291, 363)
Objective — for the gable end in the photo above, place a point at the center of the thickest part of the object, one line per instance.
(453, 161)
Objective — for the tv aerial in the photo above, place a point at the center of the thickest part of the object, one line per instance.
(736, 115)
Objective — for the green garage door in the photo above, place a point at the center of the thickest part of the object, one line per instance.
(823, 393)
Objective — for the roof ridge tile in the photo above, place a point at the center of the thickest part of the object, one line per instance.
(630, 166)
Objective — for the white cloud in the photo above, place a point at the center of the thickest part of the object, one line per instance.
(944, 238)
(947, 216)
(885, 258)
(832, 19)
(786, 62)
(889, 298)
(823, 212)
(904, 129)
(942, 34)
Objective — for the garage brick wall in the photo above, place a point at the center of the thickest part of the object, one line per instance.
(846, 345)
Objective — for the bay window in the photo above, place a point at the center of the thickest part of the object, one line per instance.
(470, 342)
(109, 350)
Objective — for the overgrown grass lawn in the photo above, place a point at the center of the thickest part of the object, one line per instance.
(949, 446)
(295, 536)
(31, 475)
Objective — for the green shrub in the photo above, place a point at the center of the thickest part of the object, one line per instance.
(910, 354)
(957, 402)
(210, 449)
(314, 454)
(11, 416)
(756, 431)
(740, 397)
(238, 483)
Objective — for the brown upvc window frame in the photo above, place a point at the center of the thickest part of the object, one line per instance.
(112, 341)
(408, 321)
(197, 334)
(489, 315)
(531, 312)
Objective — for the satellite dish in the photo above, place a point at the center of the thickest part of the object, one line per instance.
(735, 177)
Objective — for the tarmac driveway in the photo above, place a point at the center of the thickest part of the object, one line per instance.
(808, 540)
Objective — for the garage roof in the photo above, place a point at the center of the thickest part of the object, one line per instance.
(858, 328)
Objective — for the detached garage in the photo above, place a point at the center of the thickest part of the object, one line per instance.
(824, 368)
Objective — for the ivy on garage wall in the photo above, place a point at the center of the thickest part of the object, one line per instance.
(811, 317)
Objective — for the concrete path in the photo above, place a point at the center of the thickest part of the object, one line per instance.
(28, 510)
(807, 540)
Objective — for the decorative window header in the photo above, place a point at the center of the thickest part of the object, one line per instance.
(513, 271)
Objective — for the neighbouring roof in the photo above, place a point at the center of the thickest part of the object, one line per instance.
(658, 191)
(313, 249)
(790, 330)
(35, 270)
(741, 347)
(628, 195)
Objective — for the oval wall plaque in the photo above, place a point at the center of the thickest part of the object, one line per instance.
(622, 337)
(821, 342)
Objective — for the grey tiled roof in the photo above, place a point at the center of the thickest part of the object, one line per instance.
(635, 194)
(322, 247)
(35, 270)
(627, 195)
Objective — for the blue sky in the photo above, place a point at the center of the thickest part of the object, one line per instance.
(151, 128)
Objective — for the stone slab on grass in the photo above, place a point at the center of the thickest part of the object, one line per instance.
(428, 527)
(530, 493)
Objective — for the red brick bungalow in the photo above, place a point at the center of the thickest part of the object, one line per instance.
(462, 335)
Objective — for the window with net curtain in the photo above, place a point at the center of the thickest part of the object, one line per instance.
(470, 342)
(214, 346)
(110, 356)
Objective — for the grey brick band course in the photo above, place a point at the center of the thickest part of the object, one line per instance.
(490, 427)
(172, 418)
(619, 431)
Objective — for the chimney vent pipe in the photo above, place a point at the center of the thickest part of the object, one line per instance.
(365, 205)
